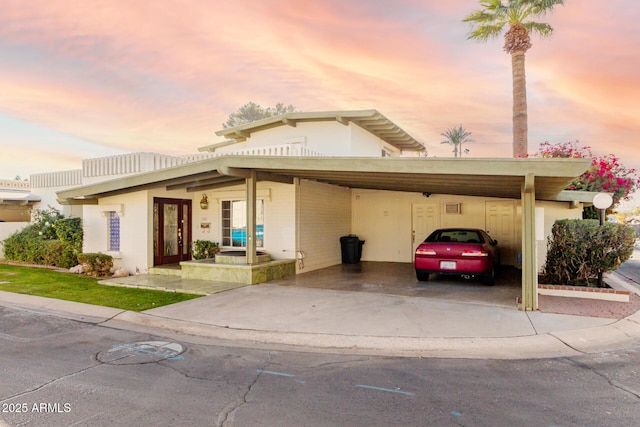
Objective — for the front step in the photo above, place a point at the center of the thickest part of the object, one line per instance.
(167, 270)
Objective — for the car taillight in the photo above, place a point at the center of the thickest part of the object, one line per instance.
(425, 251)
(471, 252)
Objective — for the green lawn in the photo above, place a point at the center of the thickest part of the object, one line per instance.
(75, 287)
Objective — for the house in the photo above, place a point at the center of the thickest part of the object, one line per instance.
(292, 185)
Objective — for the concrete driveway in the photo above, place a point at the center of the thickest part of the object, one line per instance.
(400, 279)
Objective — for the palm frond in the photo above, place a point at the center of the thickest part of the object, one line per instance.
(541, 7)
(480, 17)
(540, 28)
(486, 32)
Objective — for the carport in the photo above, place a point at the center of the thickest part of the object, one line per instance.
(525, 179)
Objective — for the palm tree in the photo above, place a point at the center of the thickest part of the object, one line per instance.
(489, 22)
(455, 137)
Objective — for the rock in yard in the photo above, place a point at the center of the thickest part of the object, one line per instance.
(78, 269)
(121, 272)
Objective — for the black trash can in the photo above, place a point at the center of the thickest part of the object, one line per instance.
(351, 247)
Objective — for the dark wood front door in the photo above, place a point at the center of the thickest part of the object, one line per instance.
(171, 231)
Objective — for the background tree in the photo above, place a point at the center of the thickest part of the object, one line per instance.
(250, 112)
(605, 174)
(488, 23)
(456, 137)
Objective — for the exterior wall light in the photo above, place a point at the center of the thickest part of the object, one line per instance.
(204, 203)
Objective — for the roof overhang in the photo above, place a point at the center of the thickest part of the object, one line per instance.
(10, 197)
(370, 120)
(488, 177)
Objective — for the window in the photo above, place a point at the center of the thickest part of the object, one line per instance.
(113, 232)
(234, 223)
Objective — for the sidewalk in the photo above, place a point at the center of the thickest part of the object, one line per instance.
(307, 319)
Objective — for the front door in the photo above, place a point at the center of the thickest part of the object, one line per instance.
(171, 231)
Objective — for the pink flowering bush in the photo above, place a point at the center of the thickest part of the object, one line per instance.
(605, 174)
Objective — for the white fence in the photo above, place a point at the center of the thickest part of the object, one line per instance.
(56, 179)
(285, 150)
(132, 163)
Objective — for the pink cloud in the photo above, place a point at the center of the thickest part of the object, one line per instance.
(164, 76)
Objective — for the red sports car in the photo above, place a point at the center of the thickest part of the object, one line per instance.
(465, 252)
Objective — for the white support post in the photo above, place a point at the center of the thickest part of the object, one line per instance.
(251, 217)
(529, 256)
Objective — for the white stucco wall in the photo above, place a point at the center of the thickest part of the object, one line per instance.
(7, 229)
(136, 222)
(384, 220)
(49, 198)
(363, 143)
(323, 213)
(329, 138)
(279, 216)
(135, 234)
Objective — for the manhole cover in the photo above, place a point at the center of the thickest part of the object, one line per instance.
(141, 352)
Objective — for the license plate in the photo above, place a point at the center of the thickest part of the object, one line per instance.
(448, 265)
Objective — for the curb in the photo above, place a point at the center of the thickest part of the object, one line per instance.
(618, 280)
(519, 347)
(68, 309)
(618, 335)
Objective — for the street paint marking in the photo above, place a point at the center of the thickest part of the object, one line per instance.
(158, 351)
(142, 352)
(280, 374)
(390, 390)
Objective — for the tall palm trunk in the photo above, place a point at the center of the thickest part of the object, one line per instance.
(520, 127)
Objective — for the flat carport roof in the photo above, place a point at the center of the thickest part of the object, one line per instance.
(488, 177)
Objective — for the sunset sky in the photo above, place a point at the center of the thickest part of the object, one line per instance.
(92, 78)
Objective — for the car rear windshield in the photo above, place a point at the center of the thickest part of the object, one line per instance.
(460, 236)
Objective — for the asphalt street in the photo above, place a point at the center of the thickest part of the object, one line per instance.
(62, 372)
(631, 268)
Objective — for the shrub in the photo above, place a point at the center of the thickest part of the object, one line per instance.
(59, 254)
(69, 230)
(43, 222)
(96, 265)
(24, 246)
(203, 249)
(580, 249)
(50, 239)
